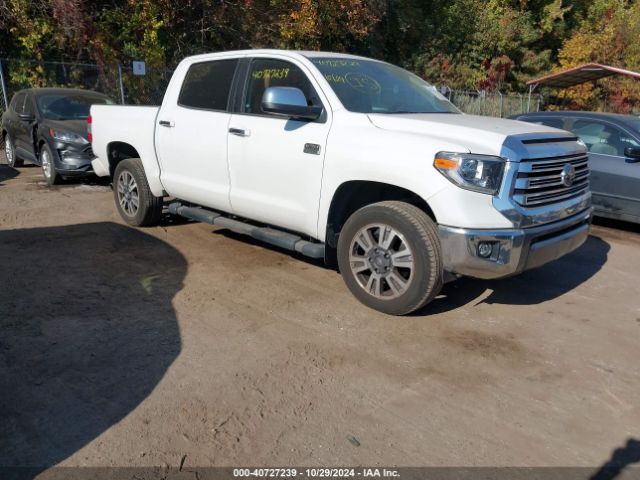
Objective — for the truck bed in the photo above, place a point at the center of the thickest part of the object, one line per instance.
(128, 124)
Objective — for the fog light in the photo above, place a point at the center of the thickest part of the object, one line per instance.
(485, 249)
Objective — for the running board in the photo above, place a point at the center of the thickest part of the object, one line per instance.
(288, 241)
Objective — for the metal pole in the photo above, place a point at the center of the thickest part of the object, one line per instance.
(4, 87)
(121, 84)
(501, 103)
(521, 102)
(529, 100)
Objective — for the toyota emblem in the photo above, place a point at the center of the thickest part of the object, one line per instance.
(568, 175)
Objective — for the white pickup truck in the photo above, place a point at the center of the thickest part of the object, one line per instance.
(352, 160)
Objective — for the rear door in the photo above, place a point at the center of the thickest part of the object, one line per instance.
(276, 163)
(21, 130)
(10, 119)
(615, 183)
(191, 134)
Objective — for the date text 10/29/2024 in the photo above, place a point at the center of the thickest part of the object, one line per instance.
(315, 473)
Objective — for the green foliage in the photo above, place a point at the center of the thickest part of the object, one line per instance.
(469, 44)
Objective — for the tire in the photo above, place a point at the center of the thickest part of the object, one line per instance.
(135, 203)
(398, 273)
(10, 152)
(49, 166)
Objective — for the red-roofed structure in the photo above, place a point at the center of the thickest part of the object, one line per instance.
(584, 73)
(588, 72)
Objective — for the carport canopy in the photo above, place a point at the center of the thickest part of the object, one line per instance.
(584, 73)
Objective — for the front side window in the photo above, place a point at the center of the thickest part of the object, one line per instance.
(69, 106)
(207, 85)
(28, 105)
(603, 138)
(265, 73)
(367, 86)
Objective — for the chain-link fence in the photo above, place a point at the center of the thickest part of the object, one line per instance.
(493, 104)
(117, 81)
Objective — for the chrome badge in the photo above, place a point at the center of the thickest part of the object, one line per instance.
(568, 175)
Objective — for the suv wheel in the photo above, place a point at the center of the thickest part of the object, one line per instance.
(48, 166)
(135, 202)
(389, 256)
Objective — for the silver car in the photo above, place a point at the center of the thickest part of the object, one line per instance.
(614, 157)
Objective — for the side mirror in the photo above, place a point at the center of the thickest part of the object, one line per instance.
(27, 117)
(289, 102)
(632, 154)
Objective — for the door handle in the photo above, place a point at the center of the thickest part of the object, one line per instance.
(241, 132)
(166, 123)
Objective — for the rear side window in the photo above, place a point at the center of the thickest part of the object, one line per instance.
(18, 103)
(207, 85)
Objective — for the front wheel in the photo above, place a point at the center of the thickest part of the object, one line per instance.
(10, 152)
(48, 166)
(135, 202)
(389, 257)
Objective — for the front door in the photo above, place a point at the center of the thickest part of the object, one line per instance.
(276, 163)
(192, 135)
(615, 183)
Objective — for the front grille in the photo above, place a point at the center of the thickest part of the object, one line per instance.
(540, 181)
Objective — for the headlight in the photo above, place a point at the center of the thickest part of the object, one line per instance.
(480, 173)
(68, 137)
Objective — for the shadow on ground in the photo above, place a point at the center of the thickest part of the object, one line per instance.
(617, 224)
(621, 458)
(87, 332)
(529, 288)
(7, 173)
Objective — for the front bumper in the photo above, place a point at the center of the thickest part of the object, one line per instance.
(513, 250)
(73, 163)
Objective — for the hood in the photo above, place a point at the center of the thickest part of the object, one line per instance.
(78, 127)
(477, 134)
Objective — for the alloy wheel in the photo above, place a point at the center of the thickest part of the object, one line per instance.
(381, 261)
(8, 151)
(47, 166)
(128, 196)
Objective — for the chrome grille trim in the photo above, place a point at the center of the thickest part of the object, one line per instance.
(539, 181)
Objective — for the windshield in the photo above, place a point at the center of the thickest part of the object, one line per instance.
(367, 86)
(69, 106)
(634, 123)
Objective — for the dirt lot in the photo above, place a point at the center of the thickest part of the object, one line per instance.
(127, 347)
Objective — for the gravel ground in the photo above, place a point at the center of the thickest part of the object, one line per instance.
(183, 343)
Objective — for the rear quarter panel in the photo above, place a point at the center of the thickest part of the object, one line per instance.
(127, 124)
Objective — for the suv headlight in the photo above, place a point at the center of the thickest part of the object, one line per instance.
(68, 137)
(480, 173)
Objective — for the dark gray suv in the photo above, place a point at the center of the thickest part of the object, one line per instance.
(48, 127)
(613, 142)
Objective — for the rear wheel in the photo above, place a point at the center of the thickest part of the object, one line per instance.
(134, 200)
(10, 152)
(389, 256)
